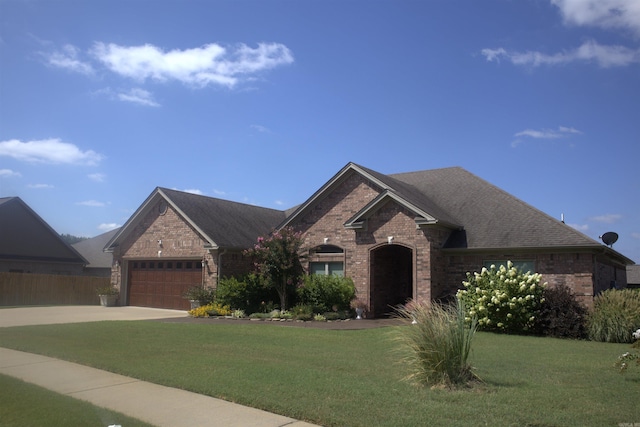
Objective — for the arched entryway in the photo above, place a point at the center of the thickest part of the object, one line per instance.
(391, 277)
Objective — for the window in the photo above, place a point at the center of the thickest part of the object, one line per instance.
(522, 265)
(327, 268)
(327, 260)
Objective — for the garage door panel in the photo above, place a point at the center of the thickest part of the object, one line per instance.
(162, 284)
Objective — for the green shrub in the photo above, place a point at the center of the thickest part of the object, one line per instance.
(326, 293)
(337, 315)
(302, 312)
(203, 295)
(247, 293)
(437, 344)
(561, 314)
(503, 299)
(615, 316)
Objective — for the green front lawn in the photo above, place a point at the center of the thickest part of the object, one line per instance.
(353, 378)
(23, 404)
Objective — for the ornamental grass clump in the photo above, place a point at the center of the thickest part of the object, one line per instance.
(615, 316)
(503, 299)
(437, 341)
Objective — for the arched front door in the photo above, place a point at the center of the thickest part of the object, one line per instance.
(391, 270)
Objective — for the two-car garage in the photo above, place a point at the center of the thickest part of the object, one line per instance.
(162, 283)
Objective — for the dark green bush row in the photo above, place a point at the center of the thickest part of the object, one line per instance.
(317, 294)
(248, 294)
(561, 315)
(326, 293)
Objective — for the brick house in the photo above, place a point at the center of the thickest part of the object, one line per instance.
(401, 236)
(177, 240)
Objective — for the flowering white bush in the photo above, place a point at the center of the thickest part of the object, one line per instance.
(502, 299)
(630, 358)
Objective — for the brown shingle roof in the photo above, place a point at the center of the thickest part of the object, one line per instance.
(228, 224)
(491, 217)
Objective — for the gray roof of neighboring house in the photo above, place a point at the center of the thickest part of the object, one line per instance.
(26, 236)
(633, 274)
(92, 250)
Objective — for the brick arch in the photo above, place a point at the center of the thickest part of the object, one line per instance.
(391, 277)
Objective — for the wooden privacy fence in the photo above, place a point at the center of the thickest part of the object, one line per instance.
(49, 289)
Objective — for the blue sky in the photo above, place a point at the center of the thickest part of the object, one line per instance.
(263, 101)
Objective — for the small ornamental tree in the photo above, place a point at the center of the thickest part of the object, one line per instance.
(277, 260)
(503, 299)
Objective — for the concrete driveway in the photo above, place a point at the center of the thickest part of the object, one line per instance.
(80, 313)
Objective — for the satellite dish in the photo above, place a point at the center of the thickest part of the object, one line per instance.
(609, 238)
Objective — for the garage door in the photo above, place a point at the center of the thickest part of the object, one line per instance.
(162, 284)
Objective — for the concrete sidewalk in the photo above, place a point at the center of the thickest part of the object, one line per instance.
(152, 403)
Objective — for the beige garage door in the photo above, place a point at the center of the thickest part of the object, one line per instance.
(162, 284)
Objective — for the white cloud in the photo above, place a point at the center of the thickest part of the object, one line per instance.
(48, 151)
(108, 226)
(40, 186)
(608, 14)
(561, 132)
(635, 235)
(211, 64)
(138, 96)
(579, 227)
(67, 58)
(261, 129)
(607, 218)
(590, 51)
(97, 177)
(92, 203)
(219, 192)
(8, 173)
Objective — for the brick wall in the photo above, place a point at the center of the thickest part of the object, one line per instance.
(178, 241)
(326, 220)
(582, 272)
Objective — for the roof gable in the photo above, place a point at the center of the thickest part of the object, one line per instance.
(221, 223)
(425, 210)
(26, 236)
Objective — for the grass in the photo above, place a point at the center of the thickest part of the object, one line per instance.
(25, 404)
(352, 378)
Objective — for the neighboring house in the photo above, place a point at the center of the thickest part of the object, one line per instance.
(412, 235)
(99, 262)
(633, 276)
(29, 245)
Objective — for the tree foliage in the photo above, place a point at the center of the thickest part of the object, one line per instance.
(277, 259)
